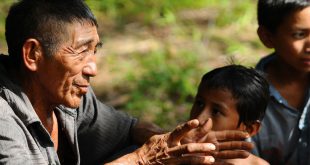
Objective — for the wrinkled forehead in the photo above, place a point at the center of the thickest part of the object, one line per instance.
(81, 32)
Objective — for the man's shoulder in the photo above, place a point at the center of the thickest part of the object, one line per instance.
(6, 109)
(14, 138)
(11, 125)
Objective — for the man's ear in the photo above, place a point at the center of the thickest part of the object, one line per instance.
(265, 36)
(253, 128)
(32, 53)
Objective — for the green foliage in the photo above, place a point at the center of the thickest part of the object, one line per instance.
(160, 12)
(161, 84)
(4, 7)
(239, 12)
(146, 11)
(164, 91)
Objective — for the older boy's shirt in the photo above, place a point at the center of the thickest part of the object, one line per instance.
(88, 134)
(285, 134)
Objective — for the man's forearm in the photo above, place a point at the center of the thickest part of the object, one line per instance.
(129, 159)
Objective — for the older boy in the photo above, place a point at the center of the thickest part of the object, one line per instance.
(285, 27)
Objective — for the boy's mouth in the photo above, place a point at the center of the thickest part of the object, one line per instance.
(306, 61)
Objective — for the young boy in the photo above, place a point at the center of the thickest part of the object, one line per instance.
(284, 26)
(234, 97)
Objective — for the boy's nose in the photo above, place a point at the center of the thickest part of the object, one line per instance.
(203, 117)
(307, 45)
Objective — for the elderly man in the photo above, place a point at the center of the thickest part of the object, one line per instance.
(50, 115)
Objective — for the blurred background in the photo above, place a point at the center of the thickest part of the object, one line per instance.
(155, 51)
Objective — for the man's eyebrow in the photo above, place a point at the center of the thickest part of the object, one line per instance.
(86, 42)
(83, 42)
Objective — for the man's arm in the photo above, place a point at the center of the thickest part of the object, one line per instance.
(168, 149)
(102, 130)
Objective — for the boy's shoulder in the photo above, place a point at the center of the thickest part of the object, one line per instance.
(264, 61)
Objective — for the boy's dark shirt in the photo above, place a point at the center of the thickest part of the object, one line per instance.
(284, 135)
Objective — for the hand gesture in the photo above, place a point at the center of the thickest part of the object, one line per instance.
(167, 148)
(229, 144)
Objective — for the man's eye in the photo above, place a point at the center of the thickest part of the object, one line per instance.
(84, 51)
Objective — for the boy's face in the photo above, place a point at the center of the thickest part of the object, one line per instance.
(217, 104)
(292, 40)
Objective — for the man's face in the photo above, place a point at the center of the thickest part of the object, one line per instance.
(65, 76)
(292, 40)
(217, 104)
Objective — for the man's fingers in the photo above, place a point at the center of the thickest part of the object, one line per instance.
(191, 148)
(229, 135)
(231, 145)
(222, 163)
(231, 154)
(207, 126)
(181, 130)
(222, 136)
(189, 159)
(233, 149)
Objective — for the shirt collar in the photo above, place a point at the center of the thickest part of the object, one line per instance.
(262, 65)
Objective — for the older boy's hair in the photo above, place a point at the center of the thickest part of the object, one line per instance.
(271, 13)
(44, 20)
(247, 85)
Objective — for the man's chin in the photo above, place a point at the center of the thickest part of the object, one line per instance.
(73, 103)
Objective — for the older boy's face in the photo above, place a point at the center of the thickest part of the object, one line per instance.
(292, 40)
(218, 105)
(65, 76)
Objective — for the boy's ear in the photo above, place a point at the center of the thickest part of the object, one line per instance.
(253, 128)
(265, 36)
(32, 53)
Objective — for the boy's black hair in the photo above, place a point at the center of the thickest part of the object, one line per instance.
(271, 13)
(44, 20)
(247, 85)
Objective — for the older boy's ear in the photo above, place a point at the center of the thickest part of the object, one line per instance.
(31, 53)
(265, 36)
(253, 128)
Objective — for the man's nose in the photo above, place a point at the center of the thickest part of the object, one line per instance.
(90, 69)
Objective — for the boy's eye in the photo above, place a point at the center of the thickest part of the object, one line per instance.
(299, 35)
(215, 111)
(200, 104)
